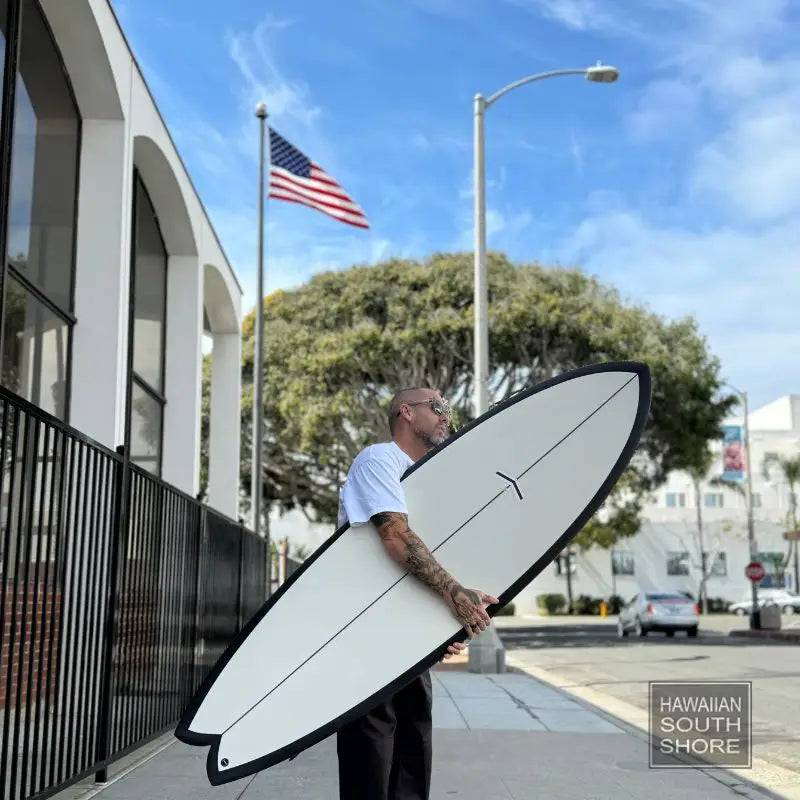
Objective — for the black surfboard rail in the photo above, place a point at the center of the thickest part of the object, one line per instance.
(183, 733)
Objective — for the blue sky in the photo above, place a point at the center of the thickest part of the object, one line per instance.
(679, 185)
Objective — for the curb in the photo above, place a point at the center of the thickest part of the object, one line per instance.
(791, 637)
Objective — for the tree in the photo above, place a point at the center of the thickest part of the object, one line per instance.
(697, 474)
(789, 467)
(706, 559)
(339, 346)
(205, 422)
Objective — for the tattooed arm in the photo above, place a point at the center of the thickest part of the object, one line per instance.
(408, 550)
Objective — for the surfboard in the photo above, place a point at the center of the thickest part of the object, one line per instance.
(495, 503)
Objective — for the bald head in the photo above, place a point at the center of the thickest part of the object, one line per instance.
(411, 395)
(419, 419)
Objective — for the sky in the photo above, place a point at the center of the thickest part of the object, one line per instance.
(679, 184)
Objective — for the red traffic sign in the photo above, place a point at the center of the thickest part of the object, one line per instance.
(754, 571)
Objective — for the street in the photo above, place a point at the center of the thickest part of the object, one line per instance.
(589, 654)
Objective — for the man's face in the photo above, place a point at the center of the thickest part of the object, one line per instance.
(431, 428)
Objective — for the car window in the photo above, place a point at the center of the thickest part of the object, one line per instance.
(666, 596)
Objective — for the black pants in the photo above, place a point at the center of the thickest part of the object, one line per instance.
(386, 754)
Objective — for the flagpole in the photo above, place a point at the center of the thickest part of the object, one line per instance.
(258, 355)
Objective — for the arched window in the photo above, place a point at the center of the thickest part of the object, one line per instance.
(39, 144)
(149, 294)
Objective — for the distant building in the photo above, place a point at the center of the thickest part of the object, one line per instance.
(665, 553)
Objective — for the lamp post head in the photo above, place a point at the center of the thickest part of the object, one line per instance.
(261, 110)
(602, 73)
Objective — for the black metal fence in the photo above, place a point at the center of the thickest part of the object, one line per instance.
(113, 604)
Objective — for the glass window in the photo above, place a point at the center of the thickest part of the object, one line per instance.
(3, 23)
(665, 596)
(44, 162)
(677, 563)
(720, 565)
(149, 293)
(561, 564)
(621, 562)
(713, 499)
(34, 350)
(145, 430)
(676, 500)
(774, 562)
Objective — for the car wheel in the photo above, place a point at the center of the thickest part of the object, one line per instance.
(638, 630)
(621, 632)
(789, 609)
(692, 632)
(670, 634)
(740, 612)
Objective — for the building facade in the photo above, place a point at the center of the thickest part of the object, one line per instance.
(113, 270)
(666, 552)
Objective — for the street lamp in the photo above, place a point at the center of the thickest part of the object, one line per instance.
(755, 612)
(599, 73)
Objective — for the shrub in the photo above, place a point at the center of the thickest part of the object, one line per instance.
(718, 605)
(587, 605)
(552, 603)
(615, 603)
(508, 610)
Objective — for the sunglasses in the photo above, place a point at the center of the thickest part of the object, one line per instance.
(439, 407)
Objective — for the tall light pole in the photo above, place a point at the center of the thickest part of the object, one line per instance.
(755, 612)
(258, 353)
(597, 74)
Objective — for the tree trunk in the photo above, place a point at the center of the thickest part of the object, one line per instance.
(570, 606)
(703, 566)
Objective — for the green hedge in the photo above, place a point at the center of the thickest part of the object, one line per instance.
(587, 605)
(508, 610)
(553, 603)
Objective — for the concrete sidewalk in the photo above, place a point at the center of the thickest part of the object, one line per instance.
(496, 737)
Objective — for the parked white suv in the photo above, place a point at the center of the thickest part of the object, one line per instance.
(788, 602)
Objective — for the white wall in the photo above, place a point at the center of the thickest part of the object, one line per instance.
(122, 130)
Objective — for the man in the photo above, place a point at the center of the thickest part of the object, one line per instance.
(386, 754)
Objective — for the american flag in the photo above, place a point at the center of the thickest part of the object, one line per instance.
(293, 176)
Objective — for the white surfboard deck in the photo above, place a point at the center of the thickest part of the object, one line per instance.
(495, 503)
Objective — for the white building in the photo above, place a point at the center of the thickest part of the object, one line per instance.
(108, 248)
(665, 553)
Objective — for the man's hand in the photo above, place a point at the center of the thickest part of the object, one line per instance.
(408, 550)
(453, 650)
(469, 605)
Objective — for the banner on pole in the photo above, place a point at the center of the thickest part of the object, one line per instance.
(733, 465)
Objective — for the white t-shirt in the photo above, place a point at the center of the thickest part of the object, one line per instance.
(373, 484)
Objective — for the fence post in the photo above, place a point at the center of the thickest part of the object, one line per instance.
(200, 585)
(239, 592)
(283, 552)
(121, 491)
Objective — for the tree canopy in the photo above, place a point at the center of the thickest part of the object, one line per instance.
(338, 347)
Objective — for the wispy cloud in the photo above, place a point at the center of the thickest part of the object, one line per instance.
(586, 15)
(726, 278)
(579, 15)
(576, 151)
(661, 105)
(253, 52)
